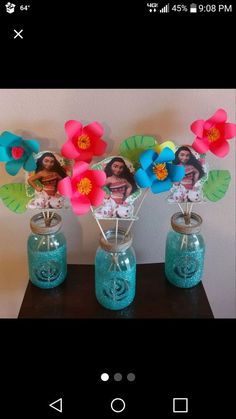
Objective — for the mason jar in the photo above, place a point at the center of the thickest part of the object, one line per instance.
(185, 249)
(47, 252)
(115, 270)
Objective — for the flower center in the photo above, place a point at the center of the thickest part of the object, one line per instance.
(84, 186)
(160, 171)
(84, 142)
(213, 134)
(17, 152)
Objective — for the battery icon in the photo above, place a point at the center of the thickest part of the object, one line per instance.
(193, 8)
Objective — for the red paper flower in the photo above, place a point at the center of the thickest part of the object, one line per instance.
(84, 188)
(213, 133)
(83, 142)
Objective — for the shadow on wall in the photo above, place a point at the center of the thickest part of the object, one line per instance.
(73, 231)
(107, 137)
(40, 126)
(45, 142)
(164, 125)
(55, 144)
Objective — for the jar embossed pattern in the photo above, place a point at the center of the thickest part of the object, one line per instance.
(47, 252)
(115, 271)
(185, 249)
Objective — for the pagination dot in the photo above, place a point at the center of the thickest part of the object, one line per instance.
(131, 377)
(104, 376)
(118, 377)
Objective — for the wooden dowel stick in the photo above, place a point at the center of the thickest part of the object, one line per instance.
(181, 208)
(190, 210)
(117, 226)
(141, 202)
(98, 223)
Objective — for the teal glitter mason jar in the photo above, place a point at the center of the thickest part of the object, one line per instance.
(47, 252)
(185, 249)
(115, 271)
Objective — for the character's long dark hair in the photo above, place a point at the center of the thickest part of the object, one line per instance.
(126, 172)
(56, 167)
(192, 160)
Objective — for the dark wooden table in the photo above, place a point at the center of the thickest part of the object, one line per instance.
(155, 298)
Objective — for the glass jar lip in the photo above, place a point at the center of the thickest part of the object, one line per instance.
(38, 225)
(178, 223)
(123, 242)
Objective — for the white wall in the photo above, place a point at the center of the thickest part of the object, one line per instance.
(163, 113)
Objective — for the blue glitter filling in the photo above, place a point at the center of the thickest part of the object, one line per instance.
(184, 259)
(185, 269)
(47, 269)
(115, 287)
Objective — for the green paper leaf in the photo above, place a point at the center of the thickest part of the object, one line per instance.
(97, 166)
(132, 147)
(107, 190)
(216, 185)
(14, 197)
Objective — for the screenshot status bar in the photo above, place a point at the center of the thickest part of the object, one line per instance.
(193, 8)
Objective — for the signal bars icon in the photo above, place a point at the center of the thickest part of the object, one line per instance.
(165, 9)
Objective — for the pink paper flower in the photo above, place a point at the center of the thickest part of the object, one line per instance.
(213, 133)
(84, 188)
(83, 142)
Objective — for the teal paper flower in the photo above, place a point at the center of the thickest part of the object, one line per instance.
(157, 172)
(17, 153)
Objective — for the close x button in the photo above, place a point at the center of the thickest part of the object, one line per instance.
(18, 33)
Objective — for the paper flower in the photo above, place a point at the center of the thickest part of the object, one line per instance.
(84, 188)
(17, 153)
(213, 133)
(157, 171)
(83, 142)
